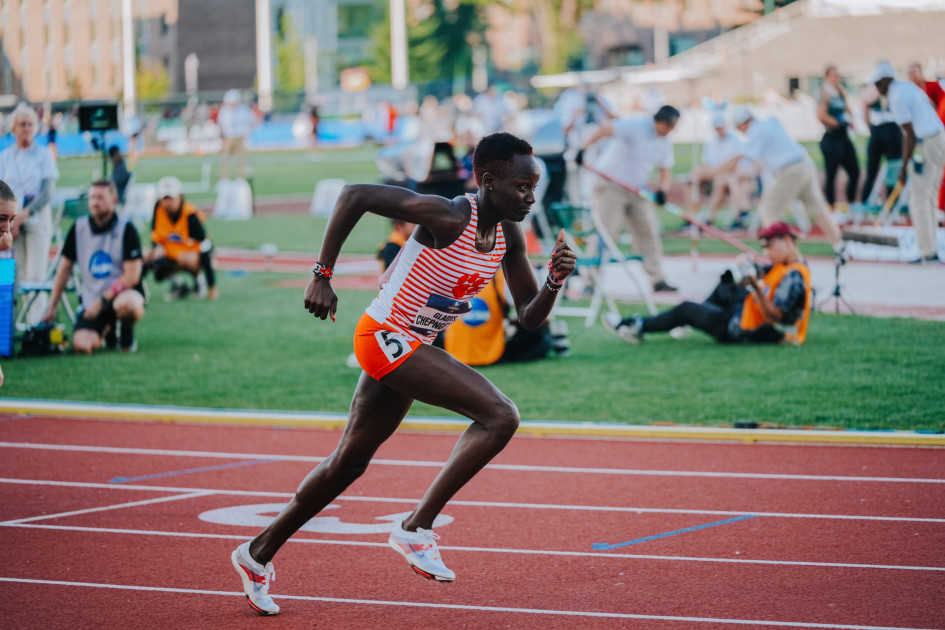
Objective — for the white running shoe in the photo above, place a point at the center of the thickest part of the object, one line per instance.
(420, 550)
(256, 579)
(628, 332)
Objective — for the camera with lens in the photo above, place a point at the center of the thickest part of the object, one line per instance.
(43, 339)
(736, 274)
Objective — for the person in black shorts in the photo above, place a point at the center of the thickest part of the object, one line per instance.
(107, 249)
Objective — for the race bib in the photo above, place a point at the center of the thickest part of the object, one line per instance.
(394, 345)
(437, 314)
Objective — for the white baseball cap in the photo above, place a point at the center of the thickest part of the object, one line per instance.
(232, 97)
(883, 70)
(168, 187)
(741, 114)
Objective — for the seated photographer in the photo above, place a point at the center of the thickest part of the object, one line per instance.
(742, 308)
(107, 249)
(180, 241)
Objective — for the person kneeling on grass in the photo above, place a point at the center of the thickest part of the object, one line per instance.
(772, 309)
(107, 248)
(180, 242)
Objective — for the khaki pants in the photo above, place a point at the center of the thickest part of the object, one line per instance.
(31, 252)
(616, 207)
(795, 181)
(923, 200)
(233, 149)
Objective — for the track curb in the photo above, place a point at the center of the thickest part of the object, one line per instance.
(325, 420)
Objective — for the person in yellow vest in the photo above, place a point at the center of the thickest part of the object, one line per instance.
(486, 335)
(180, 241)
(774, 308)
(400, 232)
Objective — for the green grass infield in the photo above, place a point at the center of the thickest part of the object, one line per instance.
(257, 348)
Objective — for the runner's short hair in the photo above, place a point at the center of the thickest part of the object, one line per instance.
(495, 152)
(6, 193)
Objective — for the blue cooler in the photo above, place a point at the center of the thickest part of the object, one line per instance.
(7, 306)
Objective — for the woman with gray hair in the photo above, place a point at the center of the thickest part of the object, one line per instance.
(30, 170)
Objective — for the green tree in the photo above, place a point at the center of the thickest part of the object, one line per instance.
(290, 64)
(561, 45)
(151, 81)
(438, 46)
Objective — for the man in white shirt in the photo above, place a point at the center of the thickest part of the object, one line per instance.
(721, 147)
(30, 170)
(794, 176)
(636, 146)
(580, 110)
(236, 122)
(922, 129)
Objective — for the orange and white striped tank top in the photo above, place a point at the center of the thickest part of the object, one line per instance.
(430, 289)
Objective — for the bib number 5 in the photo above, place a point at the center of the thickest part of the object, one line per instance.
(394, 345)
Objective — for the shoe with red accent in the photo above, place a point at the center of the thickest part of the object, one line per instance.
(256, 579)
(420, 550)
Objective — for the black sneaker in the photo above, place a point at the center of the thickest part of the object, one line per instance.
(662, 285)
(127, 339)
(925, 259)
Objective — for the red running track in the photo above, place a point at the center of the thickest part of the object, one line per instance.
(130, 525)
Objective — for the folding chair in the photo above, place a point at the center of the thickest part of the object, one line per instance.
(539, 216)
(595, 270)
(27, 292)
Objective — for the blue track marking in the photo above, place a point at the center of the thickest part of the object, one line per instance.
(188, 471)
(606, 546)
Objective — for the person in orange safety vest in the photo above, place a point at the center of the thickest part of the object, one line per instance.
(772, 308)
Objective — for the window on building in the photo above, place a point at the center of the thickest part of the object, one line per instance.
(627, 56)
(680, 43)
(355, 20)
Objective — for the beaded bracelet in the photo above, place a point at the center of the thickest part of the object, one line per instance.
(552, 283)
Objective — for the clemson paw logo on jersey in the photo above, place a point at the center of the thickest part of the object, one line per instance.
(468, 284)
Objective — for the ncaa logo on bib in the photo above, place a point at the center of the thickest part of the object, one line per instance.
(100, 265)
(478, 313)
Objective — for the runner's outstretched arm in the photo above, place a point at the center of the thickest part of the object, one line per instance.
(443, 218)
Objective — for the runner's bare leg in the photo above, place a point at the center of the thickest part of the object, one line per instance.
(376, 412)
(432, 376)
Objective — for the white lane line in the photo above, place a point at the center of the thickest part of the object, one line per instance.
(429, 464)
(529, 552)
(496, 504)
(105, 508)
(505, 609)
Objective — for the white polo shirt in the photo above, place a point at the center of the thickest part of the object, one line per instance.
(634, 150)
(767, 142)
(720, 150)
(25, 169)
(909, 104)
(236, 122)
